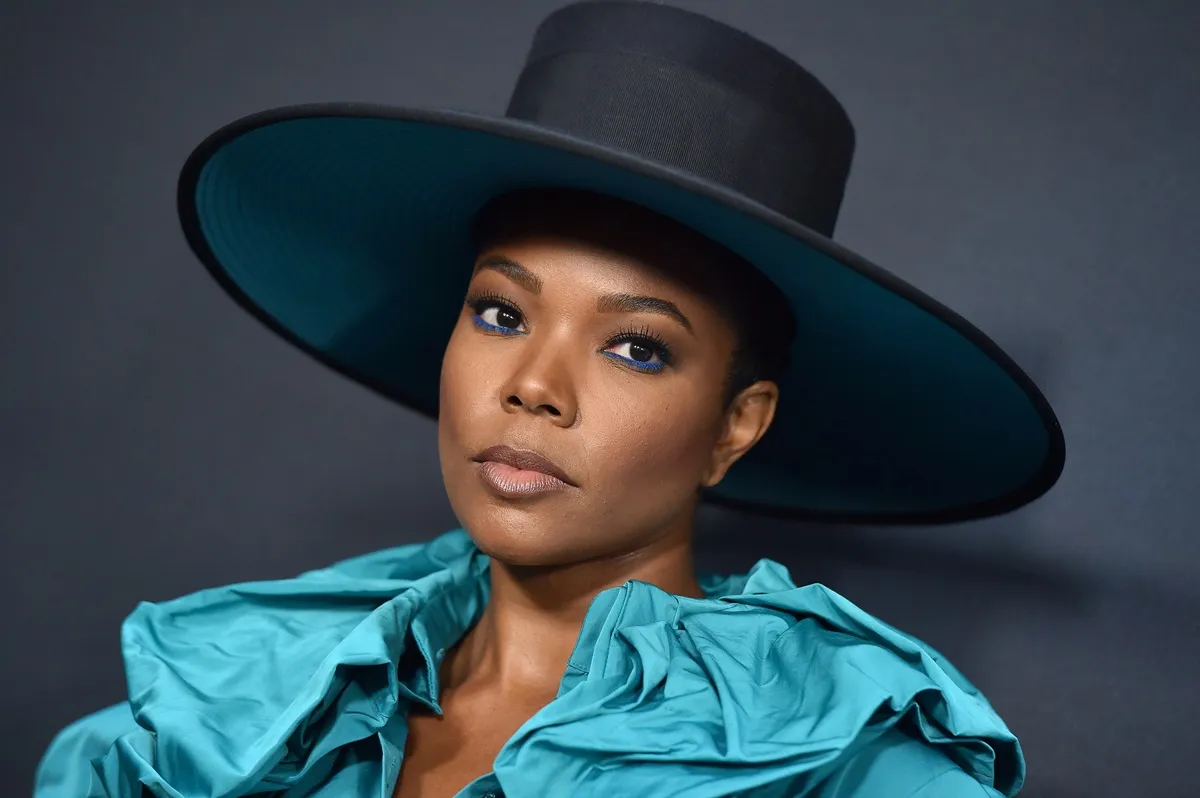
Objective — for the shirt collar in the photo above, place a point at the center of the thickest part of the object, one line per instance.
(448, 603)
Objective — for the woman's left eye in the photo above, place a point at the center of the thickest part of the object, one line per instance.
(642, 355)
(498, 317)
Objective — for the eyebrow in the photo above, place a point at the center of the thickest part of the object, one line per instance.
(609, 303)
(631, 303)
(513, 271)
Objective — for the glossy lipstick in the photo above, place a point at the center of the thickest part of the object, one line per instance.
(514, 473)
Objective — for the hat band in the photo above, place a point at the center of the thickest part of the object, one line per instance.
(672, 115)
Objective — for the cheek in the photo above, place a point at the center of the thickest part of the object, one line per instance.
(450, 385)
(462, 393)
(663, 441)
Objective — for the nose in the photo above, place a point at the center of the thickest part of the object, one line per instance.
(542, 384)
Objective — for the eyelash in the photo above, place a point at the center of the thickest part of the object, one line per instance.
(481, 302)
(641, 336)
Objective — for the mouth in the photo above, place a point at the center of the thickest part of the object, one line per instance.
(520, 472)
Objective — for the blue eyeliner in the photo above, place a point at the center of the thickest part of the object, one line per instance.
(642, 337)
(649, 368)
(483, 325)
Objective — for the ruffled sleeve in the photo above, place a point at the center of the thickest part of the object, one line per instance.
(899, 766)
(771, 690)
(73, 765)
(264, 686)
(763, 689)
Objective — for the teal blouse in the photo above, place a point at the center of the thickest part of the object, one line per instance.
(301, 687)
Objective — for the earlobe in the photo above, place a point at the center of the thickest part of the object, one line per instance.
(748, 418)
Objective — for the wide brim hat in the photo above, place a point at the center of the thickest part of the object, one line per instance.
(347, 229)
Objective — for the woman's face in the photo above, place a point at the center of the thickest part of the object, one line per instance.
(584, 360)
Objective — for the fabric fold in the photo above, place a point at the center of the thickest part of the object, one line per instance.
(302, 686)
(772, 687)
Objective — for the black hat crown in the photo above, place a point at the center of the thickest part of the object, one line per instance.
(693, 94)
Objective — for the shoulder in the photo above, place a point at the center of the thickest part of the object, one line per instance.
(905, 767)
(330, 598)
(189, 644)
(203, 695)
(761, 685)
(68, 768)
(930, 729)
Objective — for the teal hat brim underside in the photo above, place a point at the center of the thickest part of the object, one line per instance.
(347, 229)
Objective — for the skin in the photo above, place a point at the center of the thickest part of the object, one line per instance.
(638, 446)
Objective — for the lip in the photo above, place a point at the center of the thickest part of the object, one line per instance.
(520, 472)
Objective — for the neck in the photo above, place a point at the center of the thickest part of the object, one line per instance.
(529, 628)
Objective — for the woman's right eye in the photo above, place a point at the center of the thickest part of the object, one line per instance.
(496, 317)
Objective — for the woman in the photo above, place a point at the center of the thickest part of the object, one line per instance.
(620, 299)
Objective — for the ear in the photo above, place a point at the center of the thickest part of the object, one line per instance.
(747, 420)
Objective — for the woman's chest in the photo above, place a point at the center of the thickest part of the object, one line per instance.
(445, 753)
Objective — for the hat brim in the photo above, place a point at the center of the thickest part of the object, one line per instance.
(346, 229)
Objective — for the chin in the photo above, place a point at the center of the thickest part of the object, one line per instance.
(516, 536)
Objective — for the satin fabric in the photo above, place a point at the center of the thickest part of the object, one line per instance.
(763, 689)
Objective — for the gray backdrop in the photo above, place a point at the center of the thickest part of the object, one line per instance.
(1031, 163)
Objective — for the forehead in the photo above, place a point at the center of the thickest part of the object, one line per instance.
(554, 264)
(587, 238)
